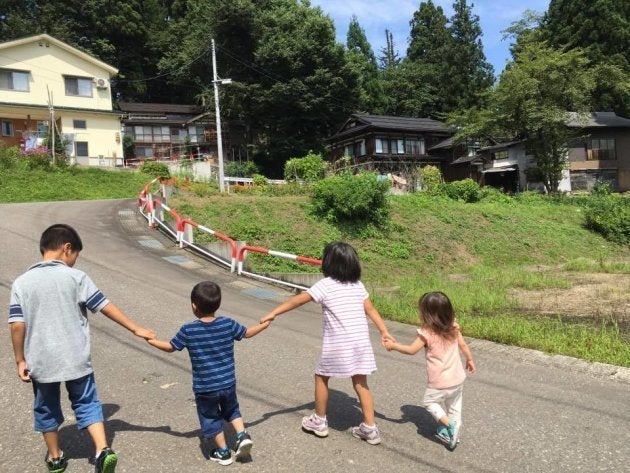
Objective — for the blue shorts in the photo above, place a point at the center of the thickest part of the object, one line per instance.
(214, 407)
(82, 394)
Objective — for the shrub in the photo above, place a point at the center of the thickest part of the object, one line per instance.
(9, 157)
(38, 158)
(431, 177)
(260, 180)
(310, 168)
(610, 216)
(240, 169)
(360, 198)
(466, 190)
(155, 169)
(492, 194)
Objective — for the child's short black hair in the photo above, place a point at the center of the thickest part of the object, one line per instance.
(341, 262)
(57, 235)
(206, 295)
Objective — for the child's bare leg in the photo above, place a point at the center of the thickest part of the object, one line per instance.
(52, 443)
(359, 382)
(219, 440)
(238, 425)
(97, 432)
(321, 395)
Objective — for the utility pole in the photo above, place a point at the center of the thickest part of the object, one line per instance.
(216, 81)
(51, 127)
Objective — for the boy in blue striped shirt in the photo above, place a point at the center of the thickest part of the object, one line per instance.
(51, 342)
(210, 344)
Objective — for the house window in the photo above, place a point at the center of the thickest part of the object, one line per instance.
(152, 134)
(14, 80)
(7, 128)
(398, 146)
(381, 145)
(78, 86)
(42, 129)
(414, 147)
(354, 149)
(79, 124)
(81, 148)
(600, 149)
(144, 151)
(503, 154)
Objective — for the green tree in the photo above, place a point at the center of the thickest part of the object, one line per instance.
(535, 97)
(361, 58)
(466, 69)
(602, 29)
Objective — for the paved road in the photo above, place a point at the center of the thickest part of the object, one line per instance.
(521, 413)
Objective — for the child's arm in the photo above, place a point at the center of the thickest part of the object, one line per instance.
(256, 329)
(293, 303)
(463, 346)
(411, 349)
(161, 344)
(18, 331)
(375, 317)
(112, 312)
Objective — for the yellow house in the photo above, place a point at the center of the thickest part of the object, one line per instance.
(44, 81)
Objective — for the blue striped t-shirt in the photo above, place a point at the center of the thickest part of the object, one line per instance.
(211, 349)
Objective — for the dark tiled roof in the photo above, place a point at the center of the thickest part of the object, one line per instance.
(505, 144)
(402, 123)
(446, 144)
(599, 119)
(157, 108)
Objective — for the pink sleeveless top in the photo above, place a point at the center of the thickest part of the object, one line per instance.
(444, 365)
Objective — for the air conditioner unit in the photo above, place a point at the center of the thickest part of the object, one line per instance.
(101, 83)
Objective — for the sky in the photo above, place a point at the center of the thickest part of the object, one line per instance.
(377, 15)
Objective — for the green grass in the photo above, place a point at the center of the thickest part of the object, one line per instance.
(69, 184)
(479, 254)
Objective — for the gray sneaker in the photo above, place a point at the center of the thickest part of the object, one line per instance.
(369, 434)
(316, 425)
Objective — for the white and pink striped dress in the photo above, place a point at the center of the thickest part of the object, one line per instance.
(346, 347)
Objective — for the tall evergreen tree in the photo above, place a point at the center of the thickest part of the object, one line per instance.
(468, 72)
(361, 58)
(429, 37)
(389, 56)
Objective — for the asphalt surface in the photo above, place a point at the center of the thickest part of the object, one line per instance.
(523, 411)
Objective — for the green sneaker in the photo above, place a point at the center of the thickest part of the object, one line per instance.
(56, 465)
(106, 461)
(453, 432)
(442, 433)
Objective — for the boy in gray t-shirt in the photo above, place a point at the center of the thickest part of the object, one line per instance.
(51, 342)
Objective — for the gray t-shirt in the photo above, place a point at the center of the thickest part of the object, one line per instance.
(51, 299)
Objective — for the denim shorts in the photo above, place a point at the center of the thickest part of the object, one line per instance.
(82, 394)
(214, 407)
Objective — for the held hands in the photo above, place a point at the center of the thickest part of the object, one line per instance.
(23, 372)
(385, 338)
(145, 333)
(267, 318)
(389, 344)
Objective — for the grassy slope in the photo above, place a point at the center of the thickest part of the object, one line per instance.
(477, 253)
(70, 184)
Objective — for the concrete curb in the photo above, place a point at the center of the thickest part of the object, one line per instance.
(535, 357)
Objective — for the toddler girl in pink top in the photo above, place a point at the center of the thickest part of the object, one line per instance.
(439, 334)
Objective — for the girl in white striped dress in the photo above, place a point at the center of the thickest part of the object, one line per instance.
(346, 347)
